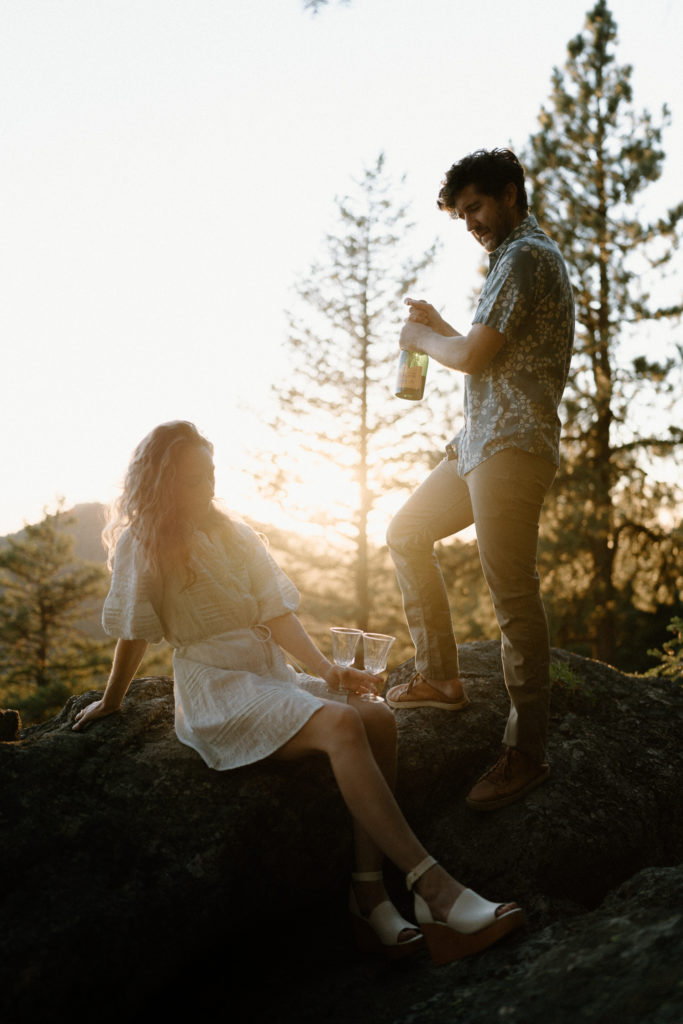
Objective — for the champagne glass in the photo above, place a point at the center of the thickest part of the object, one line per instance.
(344, 644)
(376, 648)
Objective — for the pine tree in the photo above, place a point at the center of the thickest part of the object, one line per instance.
(314, 6)
(44, 656)
(337, 404)
(592, 156)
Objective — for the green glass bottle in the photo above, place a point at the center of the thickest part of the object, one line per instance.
(411, 376)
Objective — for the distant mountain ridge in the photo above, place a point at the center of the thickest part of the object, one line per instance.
(306, 560)
(89, 521)
(86, 528)
(90, 518)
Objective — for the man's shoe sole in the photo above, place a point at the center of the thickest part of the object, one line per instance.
(442, 705)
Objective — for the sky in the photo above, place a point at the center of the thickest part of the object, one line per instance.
(169, 169)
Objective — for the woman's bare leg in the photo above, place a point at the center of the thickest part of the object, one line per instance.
(380, 728)
(338, 731)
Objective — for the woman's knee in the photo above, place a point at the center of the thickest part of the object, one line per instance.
(331, 724)
(348, 724)
(348, 735)
(378, 719)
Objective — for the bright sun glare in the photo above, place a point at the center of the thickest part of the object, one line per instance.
(318, 500)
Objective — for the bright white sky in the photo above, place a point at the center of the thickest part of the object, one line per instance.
(170, 166)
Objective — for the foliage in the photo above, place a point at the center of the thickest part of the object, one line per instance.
(337, 404)
(611, 538)
(44, 656)
(314, 6)
(670, 657)
(565, 680)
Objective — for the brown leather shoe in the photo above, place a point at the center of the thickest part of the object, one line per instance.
(418, 693)
(512, 776)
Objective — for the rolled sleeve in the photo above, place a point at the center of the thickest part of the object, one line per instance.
(274, 592)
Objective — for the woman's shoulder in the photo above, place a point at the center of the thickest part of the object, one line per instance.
(242, 531)
(129, 554)
(233, 536)
(251, 547)
(125, 543)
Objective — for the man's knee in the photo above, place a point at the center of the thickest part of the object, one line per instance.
(392, 533)
(401, 535)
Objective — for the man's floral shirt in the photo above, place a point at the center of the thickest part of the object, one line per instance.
(514, 401)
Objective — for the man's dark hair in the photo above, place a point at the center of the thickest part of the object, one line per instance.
(490, 171)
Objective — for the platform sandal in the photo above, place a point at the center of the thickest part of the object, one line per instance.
(379, 932)
(472, 924)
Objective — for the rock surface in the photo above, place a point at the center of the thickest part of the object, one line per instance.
(136, 880)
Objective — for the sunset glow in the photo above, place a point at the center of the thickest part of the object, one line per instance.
(166, 179)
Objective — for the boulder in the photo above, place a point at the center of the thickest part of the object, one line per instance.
(137, 880)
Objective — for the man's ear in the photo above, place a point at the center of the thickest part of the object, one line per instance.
(510, 194)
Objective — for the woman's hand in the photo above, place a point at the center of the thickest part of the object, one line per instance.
(350, 680)
(90, 713)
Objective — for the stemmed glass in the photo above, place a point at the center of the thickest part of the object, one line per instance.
(344, 644)
(376, 648)
(375, 652)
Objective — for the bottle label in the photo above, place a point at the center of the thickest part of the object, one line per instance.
(410, 377)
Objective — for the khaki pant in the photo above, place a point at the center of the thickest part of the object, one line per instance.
(503, 497)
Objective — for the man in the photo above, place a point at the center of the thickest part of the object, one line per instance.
(498, 469)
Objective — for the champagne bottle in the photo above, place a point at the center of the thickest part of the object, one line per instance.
(411, 376)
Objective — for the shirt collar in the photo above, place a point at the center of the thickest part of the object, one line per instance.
(523, 228)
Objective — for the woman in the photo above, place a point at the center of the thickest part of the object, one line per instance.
(186, 572)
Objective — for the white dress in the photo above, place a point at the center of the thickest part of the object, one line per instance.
(236, 698)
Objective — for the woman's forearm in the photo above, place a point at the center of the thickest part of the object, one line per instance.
(288, 632)
(127, 657)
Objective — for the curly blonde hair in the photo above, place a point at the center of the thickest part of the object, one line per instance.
(147, 503)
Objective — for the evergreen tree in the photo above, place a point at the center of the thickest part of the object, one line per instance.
(316, 5)
(44, 656)
(608, 545)
(337, 404)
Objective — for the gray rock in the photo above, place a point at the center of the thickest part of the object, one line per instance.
(137, 880)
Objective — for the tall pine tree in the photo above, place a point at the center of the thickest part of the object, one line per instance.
(609, 547)
(336, 405)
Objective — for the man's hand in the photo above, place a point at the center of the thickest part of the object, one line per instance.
(422, 312)
(414, 335)
(426, 331)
